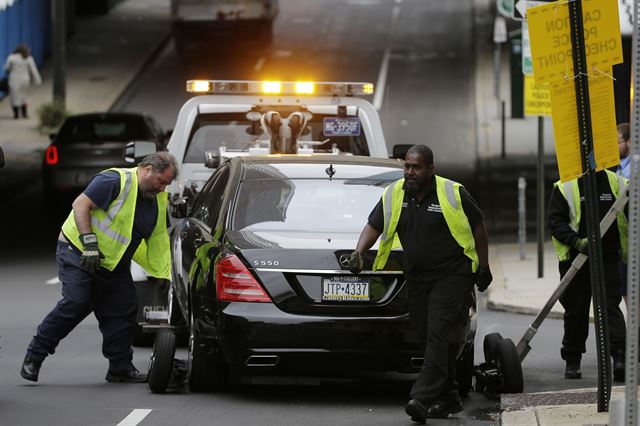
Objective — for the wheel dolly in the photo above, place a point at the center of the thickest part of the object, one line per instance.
(499, 373)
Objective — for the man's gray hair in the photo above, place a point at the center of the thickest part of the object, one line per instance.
(159, 161)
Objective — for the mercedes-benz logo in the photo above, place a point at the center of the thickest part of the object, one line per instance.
(344, 260)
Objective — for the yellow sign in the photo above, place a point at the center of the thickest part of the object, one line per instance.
(550, 37)
(565, 125)
(536, 97)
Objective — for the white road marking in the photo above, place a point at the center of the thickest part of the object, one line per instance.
(382, 79)
(53, 281)
(258, 66)
(135, 417)
(384, 67)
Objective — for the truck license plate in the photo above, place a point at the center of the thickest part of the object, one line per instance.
(345, 289)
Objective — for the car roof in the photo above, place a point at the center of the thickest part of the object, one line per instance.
(106, 114)
(305, 167)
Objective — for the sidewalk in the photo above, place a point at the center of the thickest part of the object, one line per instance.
(103, 56)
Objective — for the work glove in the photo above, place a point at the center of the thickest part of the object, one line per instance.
(356, 264)
(90, 257)
(582, 245)
(483, 278)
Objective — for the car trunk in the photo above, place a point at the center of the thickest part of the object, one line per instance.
(91, 155)
(307, 273)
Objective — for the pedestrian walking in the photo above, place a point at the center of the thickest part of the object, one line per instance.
(23, 73)
(445, 249)
(624, 169)
(568, 229)
(122, 214)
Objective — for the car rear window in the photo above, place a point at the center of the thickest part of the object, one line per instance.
(103, 128)
(308, 205)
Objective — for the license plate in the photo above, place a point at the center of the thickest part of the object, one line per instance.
(345, 289)
(341, 126)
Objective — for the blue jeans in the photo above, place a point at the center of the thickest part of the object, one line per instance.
(111, 296)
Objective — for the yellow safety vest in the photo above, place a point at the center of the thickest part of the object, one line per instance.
(114, 226)
(570, 190)
(448, 193)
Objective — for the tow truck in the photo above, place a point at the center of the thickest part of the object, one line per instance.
(228, 118)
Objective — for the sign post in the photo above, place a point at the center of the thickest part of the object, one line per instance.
(573, 46)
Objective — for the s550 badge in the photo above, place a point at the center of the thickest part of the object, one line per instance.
(266, 263)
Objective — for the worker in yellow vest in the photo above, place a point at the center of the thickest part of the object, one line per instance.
(568, 228)
(122, 214)
(445, 250)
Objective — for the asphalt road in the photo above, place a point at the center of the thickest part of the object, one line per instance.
(427, 46)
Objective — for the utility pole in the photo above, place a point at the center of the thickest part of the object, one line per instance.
(59, 51)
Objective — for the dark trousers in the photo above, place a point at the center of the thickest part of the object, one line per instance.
(576, 301)
(111, 296)
(438, 310)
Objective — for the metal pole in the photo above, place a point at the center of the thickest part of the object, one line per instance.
(522, 217)
(503, 127)
(633, 263)
(590, 192)
(59, 51)
(540, 197)
(496, 68)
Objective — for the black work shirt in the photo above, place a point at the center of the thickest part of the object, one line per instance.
(430, 251)
(103, 189)
(558, 217)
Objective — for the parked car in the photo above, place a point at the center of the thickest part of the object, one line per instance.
(261, 282)
(86, 144)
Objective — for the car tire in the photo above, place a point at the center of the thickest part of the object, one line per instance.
(490, 346)
(161, 364)
(509, 366)
(464, 371)
(204, 375)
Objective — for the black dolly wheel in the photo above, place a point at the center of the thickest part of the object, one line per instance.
(161, 365)
(509, 366)
(490, 346)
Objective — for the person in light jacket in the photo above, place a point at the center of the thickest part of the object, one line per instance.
(22, 73)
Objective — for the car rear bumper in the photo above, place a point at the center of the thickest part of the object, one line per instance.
(258, 338)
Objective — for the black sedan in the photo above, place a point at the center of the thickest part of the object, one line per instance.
(260, 278)
(89, 143)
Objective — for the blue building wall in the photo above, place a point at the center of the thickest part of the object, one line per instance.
(26, 21)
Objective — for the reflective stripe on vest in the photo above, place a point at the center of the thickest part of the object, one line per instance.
(571, 192)
(454, 216)
(113, 228)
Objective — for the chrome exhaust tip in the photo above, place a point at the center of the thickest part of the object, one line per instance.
(262, 361)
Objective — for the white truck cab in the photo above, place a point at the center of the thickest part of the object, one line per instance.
(231, 118)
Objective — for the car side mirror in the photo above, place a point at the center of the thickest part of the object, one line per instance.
(136, 150)
(400, 151)
(211, 160)
(1, 157)
(52, 136)
(180, 208)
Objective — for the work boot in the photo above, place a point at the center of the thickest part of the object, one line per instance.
(30, 369)
(23, 108)
(448, 403)
(129, 375)
(618, 367)
(572, 370)
(417, 411)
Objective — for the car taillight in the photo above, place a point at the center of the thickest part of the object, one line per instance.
(51, 155)
(234, 282)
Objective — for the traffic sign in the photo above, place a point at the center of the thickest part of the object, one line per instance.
(519, 10)
(565, 125)
(537, 100)
(550, 35)
(505, 8)
(499, 30)
(527, 62)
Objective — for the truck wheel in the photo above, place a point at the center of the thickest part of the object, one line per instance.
(490, 346)
(464, 371)
(509, 366)
(161, 365)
